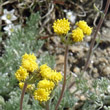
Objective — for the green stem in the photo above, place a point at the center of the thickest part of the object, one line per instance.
(64, 81)
(22, 95)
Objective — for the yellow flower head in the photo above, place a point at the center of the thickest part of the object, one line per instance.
(61, 26)
(21, 84)
(88, 31)
(55, 76)
(46, 84)
(48, 73)
(30, 65)
(30, 87)
(77, 35)
(45, 71)
(29, 57)
(21, 74)
(83, 25)
(41, 95)
(29, 62)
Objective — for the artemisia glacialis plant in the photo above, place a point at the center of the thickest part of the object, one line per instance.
(41, 81)
(62, 27)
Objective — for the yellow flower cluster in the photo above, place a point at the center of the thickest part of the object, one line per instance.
(29, 57)
(41, 95)
(28, 65)
(45, 86)
(61, 26)
(78, 33)
(21, 74)
(48, 73)
(30, 73)
(85, 28)
(29, 62)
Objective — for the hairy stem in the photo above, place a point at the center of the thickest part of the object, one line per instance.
(95, 34)
(64, 81)
(22, 95)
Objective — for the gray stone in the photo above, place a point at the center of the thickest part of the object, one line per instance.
(105, 34)
(107, 23)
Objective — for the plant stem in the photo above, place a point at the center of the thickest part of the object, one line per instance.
(47, 105)
(95, 35)
(22, 95)
(64, 81)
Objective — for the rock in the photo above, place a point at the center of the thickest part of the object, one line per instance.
(107, 23)
(76, 70)
(75, 48)
(105, 52)
(88, 38)
(105, 34)
(59, 63)
(80, 55)
(106, 71)
(96, 75)
(96, 62)
(60, 59)
(82, 98)
(108, 51)
(103, 60)
(95, 70)
(86, 49)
